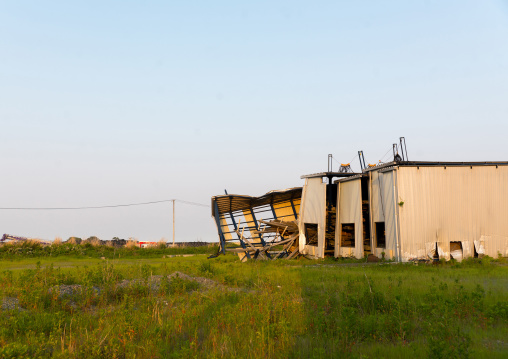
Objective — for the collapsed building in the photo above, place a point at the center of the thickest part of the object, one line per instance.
(401, 210)
(258, 226)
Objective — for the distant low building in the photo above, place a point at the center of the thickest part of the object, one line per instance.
(8, 238)
(147, 244)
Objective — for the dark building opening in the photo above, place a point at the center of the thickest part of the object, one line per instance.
(348, 235)
(380, 235)
(311, 233)
(366, 216)
(435, 257)
(331, 216)
(456, 251)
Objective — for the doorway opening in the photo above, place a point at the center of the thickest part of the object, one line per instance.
(367, 248)
(347, 238)
(380, 235)
(311, 233)
(456, 251)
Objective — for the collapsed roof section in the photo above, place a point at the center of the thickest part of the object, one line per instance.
(233, 202)
(264, 227)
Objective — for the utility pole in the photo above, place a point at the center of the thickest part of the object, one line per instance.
(173, 223)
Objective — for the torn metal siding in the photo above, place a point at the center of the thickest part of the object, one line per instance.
(495, 245)
(378, 203)
(384, 209)
(453, 204)
(350, 211)
(390, 192)
(313, 211)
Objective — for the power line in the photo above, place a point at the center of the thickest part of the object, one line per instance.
(382, 158)
(101, 207)
(193, 203)
(336, 160)
(351, 161)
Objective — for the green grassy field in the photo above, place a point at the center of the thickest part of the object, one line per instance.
(30, 249)
(220, 308)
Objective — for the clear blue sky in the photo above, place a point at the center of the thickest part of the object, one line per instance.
(123, 101)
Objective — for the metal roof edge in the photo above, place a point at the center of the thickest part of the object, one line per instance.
(282, 190)
(234, 195)
(352, 178)
(328, 174)
(247, 201)
(434, 164)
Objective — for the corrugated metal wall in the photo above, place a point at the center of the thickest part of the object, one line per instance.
(459, 204)
(349, 198)
(313, 210)
(383, 209)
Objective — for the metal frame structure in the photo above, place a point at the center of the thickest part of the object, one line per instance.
(241, 220)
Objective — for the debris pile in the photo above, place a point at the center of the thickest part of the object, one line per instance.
(283, 244)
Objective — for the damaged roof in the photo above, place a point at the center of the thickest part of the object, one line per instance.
(233, 202)
(329, 174)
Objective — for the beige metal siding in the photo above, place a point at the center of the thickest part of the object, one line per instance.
(383, 209)
(350, 211)
(313, 210)
(389, 183)
(377, 203)
(459, 204)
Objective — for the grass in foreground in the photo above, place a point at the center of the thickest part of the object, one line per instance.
(282, 309)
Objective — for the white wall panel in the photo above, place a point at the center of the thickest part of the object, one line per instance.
(377, 200)
(313, 210)
(350, 211)
(390, 200)
(384, 209)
